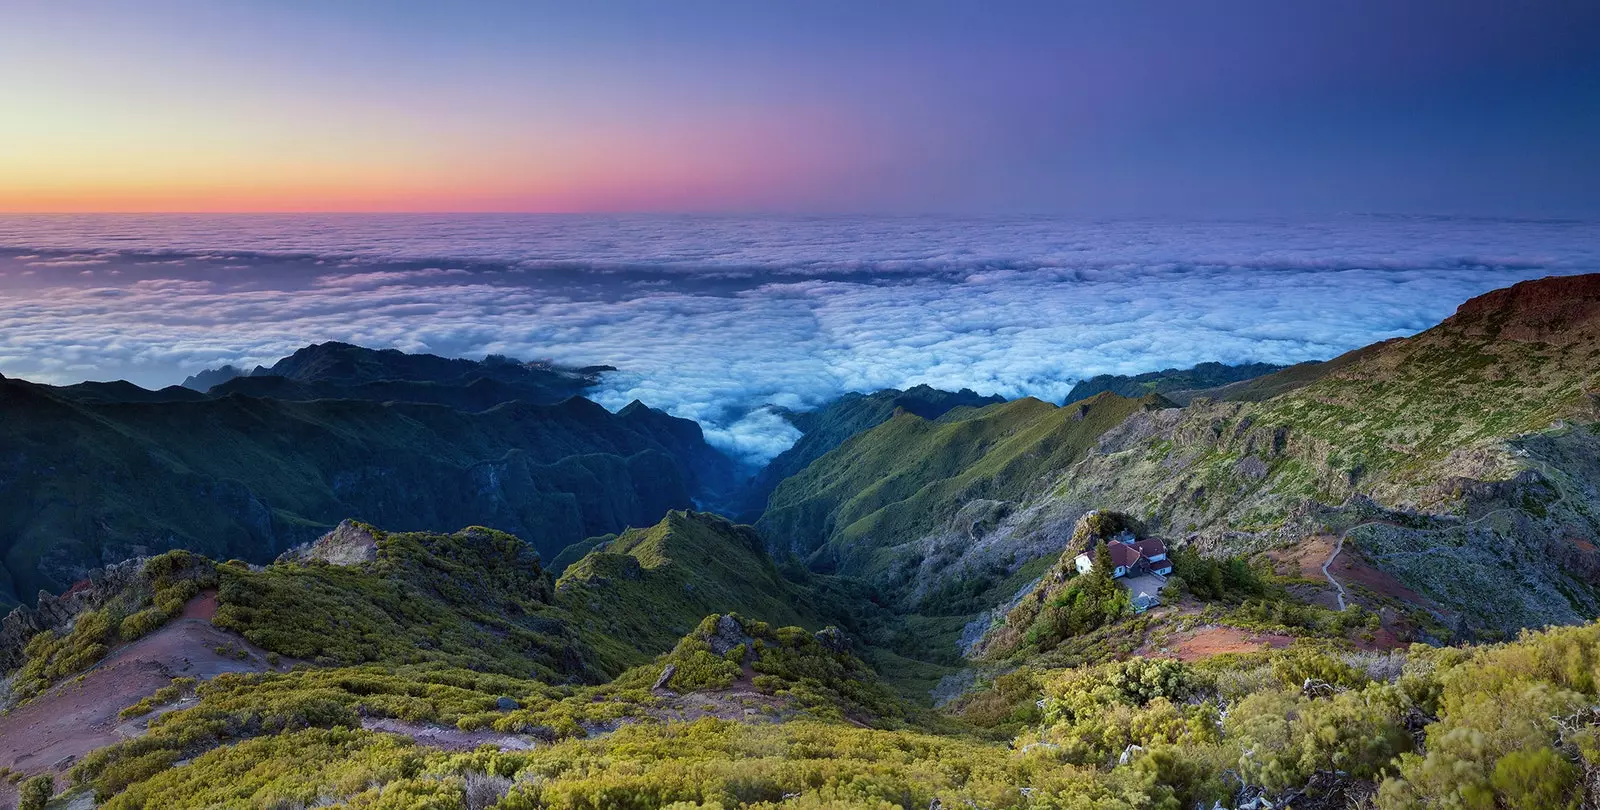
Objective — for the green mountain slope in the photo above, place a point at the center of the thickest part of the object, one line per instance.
(831, 425)
(647, 587)
(82, 483)
(1458, 461)
(891, 485)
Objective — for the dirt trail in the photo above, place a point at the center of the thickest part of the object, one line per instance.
(79, 715)
(1548, 476)
(1338, 546)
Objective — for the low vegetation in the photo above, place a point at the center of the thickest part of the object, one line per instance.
(1507, 725)
(163, 585)
(475, 599)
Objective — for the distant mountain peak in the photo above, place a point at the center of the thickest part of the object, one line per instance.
(204, 380)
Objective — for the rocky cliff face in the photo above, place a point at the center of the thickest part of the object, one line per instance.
(59, 612)
(350, 543)
(1562, 309)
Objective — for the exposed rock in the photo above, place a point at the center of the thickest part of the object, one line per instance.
(666, 677)
(59, 612)
(834, 639)
(350, 543)
(1251, 467)
(728, 635)
(506, 704)
(1561, 309)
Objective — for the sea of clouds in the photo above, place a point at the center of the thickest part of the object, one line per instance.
(716, 318)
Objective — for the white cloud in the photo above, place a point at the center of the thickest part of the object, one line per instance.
(711, 319)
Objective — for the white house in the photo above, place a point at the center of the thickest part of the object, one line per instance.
(1131, 557)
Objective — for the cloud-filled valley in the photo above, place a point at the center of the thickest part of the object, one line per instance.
(713, 318)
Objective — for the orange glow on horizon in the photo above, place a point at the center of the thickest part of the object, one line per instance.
(598, 174)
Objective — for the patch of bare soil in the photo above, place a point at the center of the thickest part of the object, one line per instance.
(1205, 642)
(1367, 584)
(1353, 569)
(1304, 560)
(1383, 639)
(55, 729)
(203, 606)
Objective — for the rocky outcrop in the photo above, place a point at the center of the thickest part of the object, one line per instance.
(1561, 309)
(59, 612)
(729, 634)
(350, 543)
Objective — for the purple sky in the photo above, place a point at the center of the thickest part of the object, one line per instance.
(1457, 106)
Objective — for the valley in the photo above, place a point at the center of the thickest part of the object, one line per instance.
(371, 579)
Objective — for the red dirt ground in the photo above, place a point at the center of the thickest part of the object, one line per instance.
(1213, 640)
(79, 715)
(1350, 568)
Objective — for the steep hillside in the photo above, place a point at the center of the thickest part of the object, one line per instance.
(856, 509)
(83, 483)
(831, 425)
(1471, 442)
(1458, 463)
(647, 587)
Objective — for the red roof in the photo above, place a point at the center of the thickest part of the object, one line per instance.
(1150, 547)
(1122, 556)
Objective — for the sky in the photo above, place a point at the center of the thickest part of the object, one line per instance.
(1148, 108)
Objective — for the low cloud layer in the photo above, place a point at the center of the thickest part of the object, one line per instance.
(713, 319)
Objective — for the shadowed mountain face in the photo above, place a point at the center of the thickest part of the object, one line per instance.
(1174, 384)
(343, 371)
(98, 472)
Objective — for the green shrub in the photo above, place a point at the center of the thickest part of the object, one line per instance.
(35, 793)
(1300, 665)
(142, 623)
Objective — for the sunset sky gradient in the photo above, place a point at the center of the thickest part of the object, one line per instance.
(173, 105)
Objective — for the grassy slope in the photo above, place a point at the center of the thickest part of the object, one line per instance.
(892, 484)
(476, 599)
(1438, 425)
(638, 593)
(833, 424)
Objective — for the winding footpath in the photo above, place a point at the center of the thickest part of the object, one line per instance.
(1339, 545)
